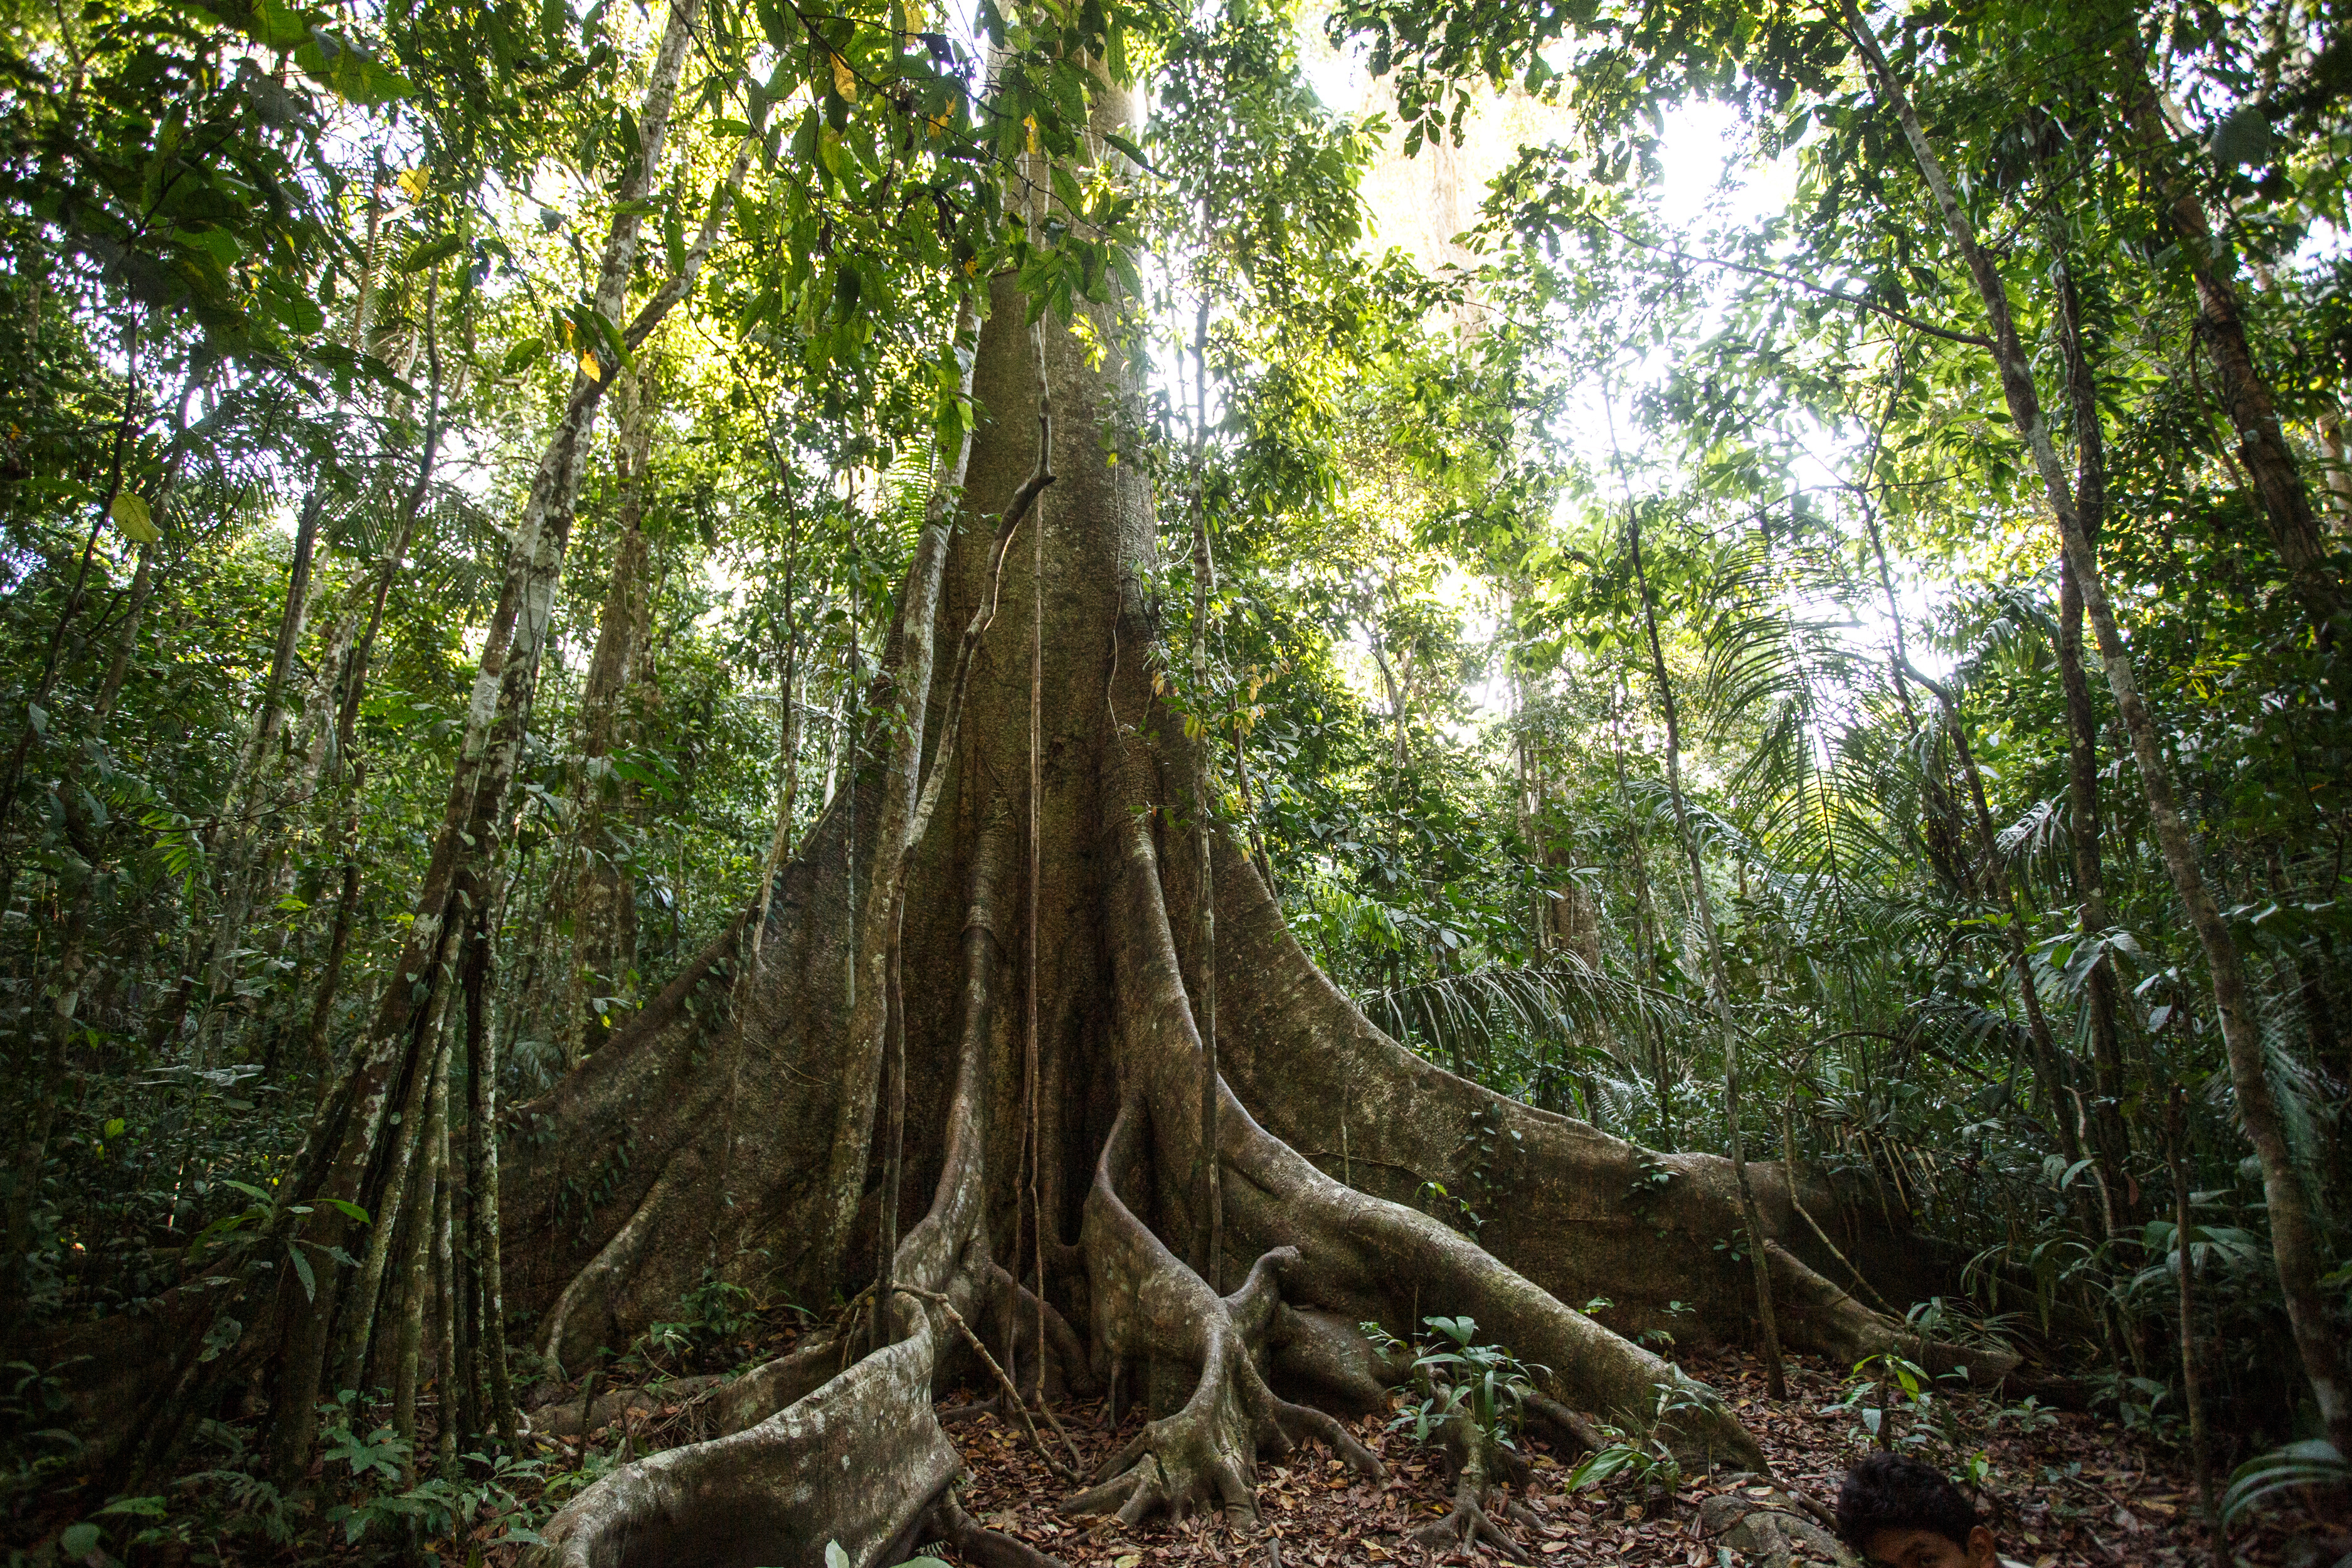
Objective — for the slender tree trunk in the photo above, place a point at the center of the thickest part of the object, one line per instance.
(2049, 1064)
(2337, 473)
(1645, 926)
(293, 617)
(2192, 1373)
(2110, 1134)
(2295, 1244)
(2271, 464)
(1717, 972)
(453, 1424)
(416, 1238)
(1940, 835)
(455, 893)
(339, 934)
(483, 1240)
(357, 1329)
(350, 685)
(243, 849)
(596, 891)
(126, 646)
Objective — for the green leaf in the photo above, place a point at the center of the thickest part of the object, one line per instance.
(276, 25)
(348, 1209)
(430, 252)
(216, 243)
(1133, 151)
(136, 1507)
(302, 1272)
(129, 514)
(2243, 139)
(79, 1541)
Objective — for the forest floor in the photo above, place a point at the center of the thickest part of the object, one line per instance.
(2067, 1489)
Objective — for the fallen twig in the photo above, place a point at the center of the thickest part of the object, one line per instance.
(1053, 1462)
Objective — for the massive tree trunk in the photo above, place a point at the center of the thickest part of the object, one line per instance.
(703, 1138)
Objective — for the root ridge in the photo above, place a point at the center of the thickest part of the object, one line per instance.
(1475, 1457)
(1152, 1307)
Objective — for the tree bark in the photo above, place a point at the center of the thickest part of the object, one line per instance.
(2278, 480)
(2294, 1245)
(2192, 1375)
(1208, 1260)
(595, 891)
(457, 890)
(2111, 1135)
(788, 727)
(1719, 974)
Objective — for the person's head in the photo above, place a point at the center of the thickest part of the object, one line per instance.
(1903, 1514)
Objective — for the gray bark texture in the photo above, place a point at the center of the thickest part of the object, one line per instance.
(740, 1125)
(732, 1127)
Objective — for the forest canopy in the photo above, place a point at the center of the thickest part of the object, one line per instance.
(1134, 700)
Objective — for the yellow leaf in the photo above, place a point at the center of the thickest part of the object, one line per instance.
(1032, 123)
(845, 80)
(129, 514)
(413, 181)
(590, 368)
(939, 124)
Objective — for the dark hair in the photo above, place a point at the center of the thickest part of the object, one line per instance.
(1887, 1491)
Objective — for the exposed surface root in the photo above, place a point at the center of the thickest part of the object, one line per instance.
(1153, 1311)
(856, 1461)
(979, 1545)
(776, 1384)
(1480, 1464)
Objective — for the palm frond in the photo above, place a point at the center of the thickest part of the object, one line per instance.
(1564, 1002)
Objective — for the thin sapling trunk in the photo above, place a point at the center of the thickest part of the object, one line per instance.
(1718, 972)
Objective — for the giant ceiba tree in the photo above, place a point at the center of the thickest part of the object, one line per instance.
(955, 1073)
